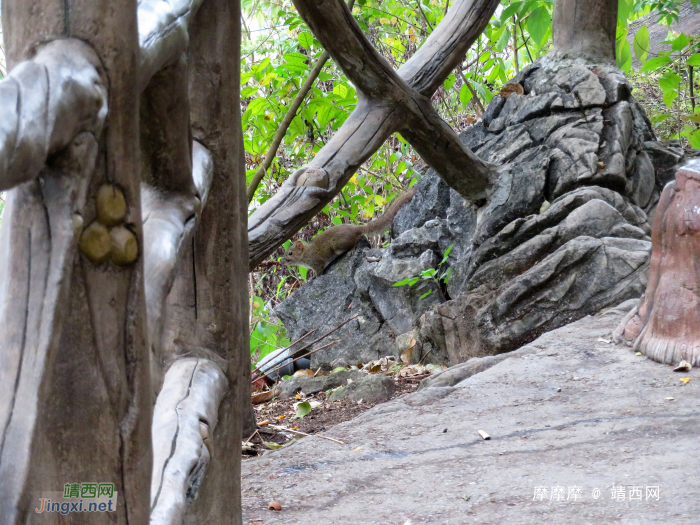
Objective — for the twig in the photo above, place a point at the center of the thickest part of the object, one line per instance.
(426, 355)
(251, 437)
(305, 434)
(277, 352)
(317, 340)
(277, 368)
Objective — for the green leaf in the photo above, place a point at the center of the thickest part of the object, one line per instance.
(339, 369)
(669, 85)
(624, 56)
(503, 41)
(402, 282)
(538, 24)
(303, 272)
(447, 253)
(260, 67)
(306, 40)
(258, 106)
(303, 409)
(340, 90)
(680, 42)
(481, 91)
(624, 8)
(247, 92)
(426, 294)
(465, 95)
(510, 10)
(449, 82)
(693, 60)
(640, 43)
(694, 139)
(483, 57)
(654, 63)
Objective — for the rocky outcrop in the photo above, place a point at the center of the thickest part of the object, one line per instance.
(564, 235)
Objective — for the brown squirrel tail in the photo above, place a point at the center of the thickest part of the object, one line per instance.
(384, 222)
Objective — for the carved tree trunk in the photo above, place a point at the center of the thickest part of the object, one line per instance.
(85, 287)
(75, 396)
(666, 325)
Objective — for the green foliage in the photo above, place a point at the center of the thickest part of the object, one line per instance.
(265, 336)
(437, 275)
(664, 80)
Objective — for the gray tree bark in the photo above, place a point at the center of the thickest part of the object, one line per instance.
(585, 28)
(76, 388)
(75, 397)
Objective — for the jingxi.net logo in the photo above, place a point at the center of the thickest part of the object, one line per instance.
(80, 497)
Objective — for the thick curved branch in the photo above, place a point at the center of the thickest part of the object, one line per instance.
(44, 104)
(163, 33)
(389, 101)
(302, 196)
(184, 420)
(168, 224)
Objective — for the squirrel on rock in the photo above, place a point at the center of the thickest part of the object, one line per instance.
(336, 240)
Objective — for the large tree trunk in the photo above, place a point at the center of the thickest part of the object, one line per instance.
(75, 402)
(665, 326)
(86, 282)
(585, 28)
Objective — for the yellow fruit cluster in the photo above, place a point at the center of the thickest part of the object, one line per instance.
(107, 238)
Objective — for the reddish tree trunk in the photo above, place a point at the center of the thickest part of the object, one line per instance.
(666, 325)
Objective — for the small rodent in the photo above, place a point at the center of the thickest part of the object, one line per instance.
(509, 89)
(337, 240)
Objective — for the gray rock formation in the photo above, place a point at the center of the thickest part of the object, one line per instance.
(375, 388)
(564, 235)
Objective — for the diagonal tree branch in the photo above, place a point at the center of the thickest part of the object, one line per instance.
(389, 101)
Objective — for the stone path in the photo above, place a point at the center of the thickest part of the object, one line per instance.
(575, 413)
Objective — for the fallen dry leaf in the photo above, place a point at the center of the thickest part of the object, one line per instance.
(264, 423)
(280, 417)
(683, 366)
(263, 397)
(685, 380)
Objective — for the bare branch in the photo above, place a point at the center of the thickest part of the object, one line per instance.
(389, 101)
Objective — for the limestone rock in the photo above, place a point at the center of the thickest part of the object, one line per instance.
(374, 388)
(313, 385)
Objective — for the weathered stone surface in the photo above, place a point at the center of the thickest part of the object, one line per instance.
(520, 192)
(329, 300)
(431, 201)
(581, 277)
(313, 385)
(374, 388)
(398, 306)
(559, 417)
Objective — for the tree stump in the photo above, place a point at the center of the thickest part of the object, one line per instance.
(666, 325)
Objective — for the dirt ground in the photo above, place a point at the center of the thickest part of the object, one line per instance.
(322, 418)
(581, 432)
